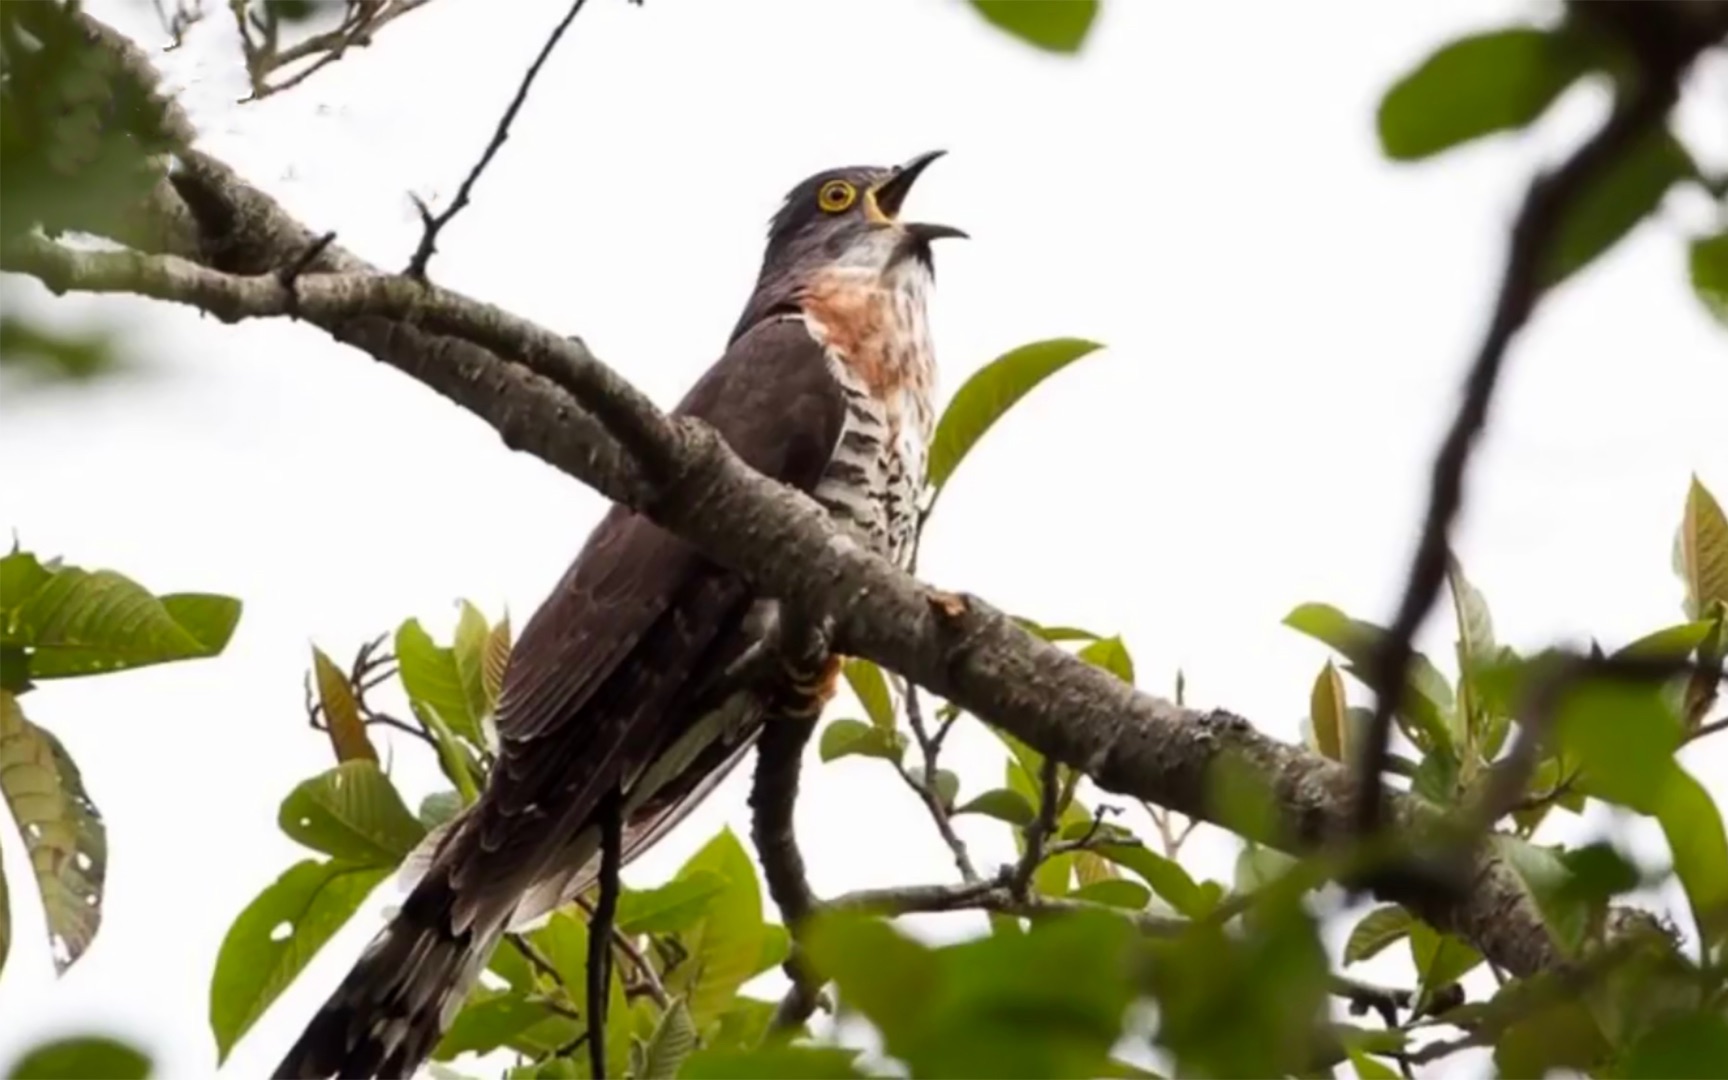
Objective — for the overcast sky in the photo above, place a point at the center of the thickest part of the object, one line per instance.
(1287, 319)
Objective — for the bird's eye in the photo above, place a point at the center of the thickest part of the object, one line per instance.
(836, 196)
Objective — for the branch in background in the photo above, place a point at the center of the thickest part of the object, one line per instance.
(185, 15)
(930, 748)
(1550, 199)
(260, 26)
(434, 225)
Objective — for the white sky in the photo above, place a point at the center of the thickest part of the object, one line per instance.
(1287, 320)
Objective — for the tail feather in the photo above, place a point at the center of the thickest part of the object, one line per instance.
(390, 1011)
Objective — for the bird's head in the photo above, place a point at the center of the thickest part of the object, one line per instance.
(847, 217)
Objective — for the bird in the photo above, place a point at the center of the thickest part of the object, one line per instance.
(616, 695)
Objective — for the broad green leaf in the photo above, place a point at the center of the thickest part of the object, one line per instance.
(276, 936)
(726, 945)
(81, 1057)
(871, 688)
(671, 907)
(880, 972)
(1558, 1038)
(468, 649)
(497, 658)
(1428, 698)
(1258, 866)
(1120, 893)
(1368, 1068)
(1054, 25)
(1669, 643)
(1092, 869)
(1476, 86)
(744, 1025)
(1692, 823)
(673, 1040)
(81, 622)
(1546, 877)
(63, 834)
(772, 1063)
(1440, 959)
(994, 389)
(433, 677)
(491, 1019)
(354, 813)
(454, 757)
(1001, 804)
(1379, 928)
(1476, 649)
(439, 807)
(1111, 655)
(1166, 876)
(845, 738)
(1704, 548)
(341, 710)
(1695, 1045)
(1327, 712)
(1708, 262)
(1436, 778)
(564, 940)
(1625, 193)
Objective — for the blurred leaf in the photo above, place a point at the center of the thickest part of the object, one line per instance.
(1327, 709)
(772, 1063)
(564, 941)
(341, 710)
(80, 1057)
(1379, 928)
(1689, 1046)
(1166, 876)
(468, 649)
(847, 738)
(995, 388)
(1625, 193)
(1368, 1068)
(1111, 655)
(1428, 700)
(454, 757)
(671, 907)
(947, 786)
(276, 935)
(1708, 261)
(50, 355)
(496, 659)
(673, 1040)
(1436, 779)
(1055, 25)
(1478, 85)
(745, 1023)
(1476, 648)
(1561, 1036)
(1549, 881)
(354, 813)
(63, 834)
(1441, 959)
(1116, 893)
(434, 678)
(1670, 643)
(1258, 866)
(439, 807)
(1704, 550)
(491, 1019)
(871, 688)
(80, 622)
(1001, 804)
(726, 944)
(1692, 824)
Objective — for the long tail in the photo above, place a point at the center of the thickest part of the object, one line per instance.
(393, 1007)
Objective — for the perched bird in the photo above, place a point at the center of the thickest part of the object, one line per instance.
(615, 688)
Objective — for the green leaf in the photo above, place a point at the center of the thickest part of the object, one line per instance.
(1111, 655)
(341, 710)
(673, 1040)
(491, 1019)
(1058, 26)
(772, 1063)
(1428, 700)
(81, 622)
(1688, 1046)
(276, 936)
(80, 1057)
(1115, 893)
(1626, 192)
(671, 907)
(1704, 550)
(1476, 86)
(468, 649)
(1001, 804)
(63, 833)
(1669, 643)
(1440, 959)
(1368, 1068)
(846, 738)
(439, 807)
(1376, 930)
(871, 688)
(1546, 877)
(1436, 779)
(1166, 876)
(354, 813)
(1708, 262)
(497, 658)
(436, 680)
(1328, 711)
(727, 944)
(454, 757)
(994, 389)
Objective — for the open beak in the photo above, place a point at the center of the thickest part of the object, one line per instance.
(892, 192)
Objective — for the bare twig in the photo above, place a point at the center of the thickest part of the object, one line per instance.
(1038, 830)
(260, 27)
(930, 748)
(600, 928)
(434, 225)
(1548, 203)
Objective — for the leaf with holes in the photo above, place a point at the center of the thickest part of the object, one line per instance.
(433, 677)
(341, 710)
(871, 689)
(991, 391)
(276, 936)
(81, 622)
(1053, 25)
(1379, 928)
(354, 813)
(64, 837)
(1704, 550)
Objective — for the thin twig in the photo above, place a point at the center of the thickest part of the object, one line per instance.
(600, 930)
(1038, 830)
(434, 225)
(1548, 203)
(930, 749)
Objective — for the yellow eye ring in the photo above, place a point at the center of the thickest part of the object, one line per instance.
(836, 196)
